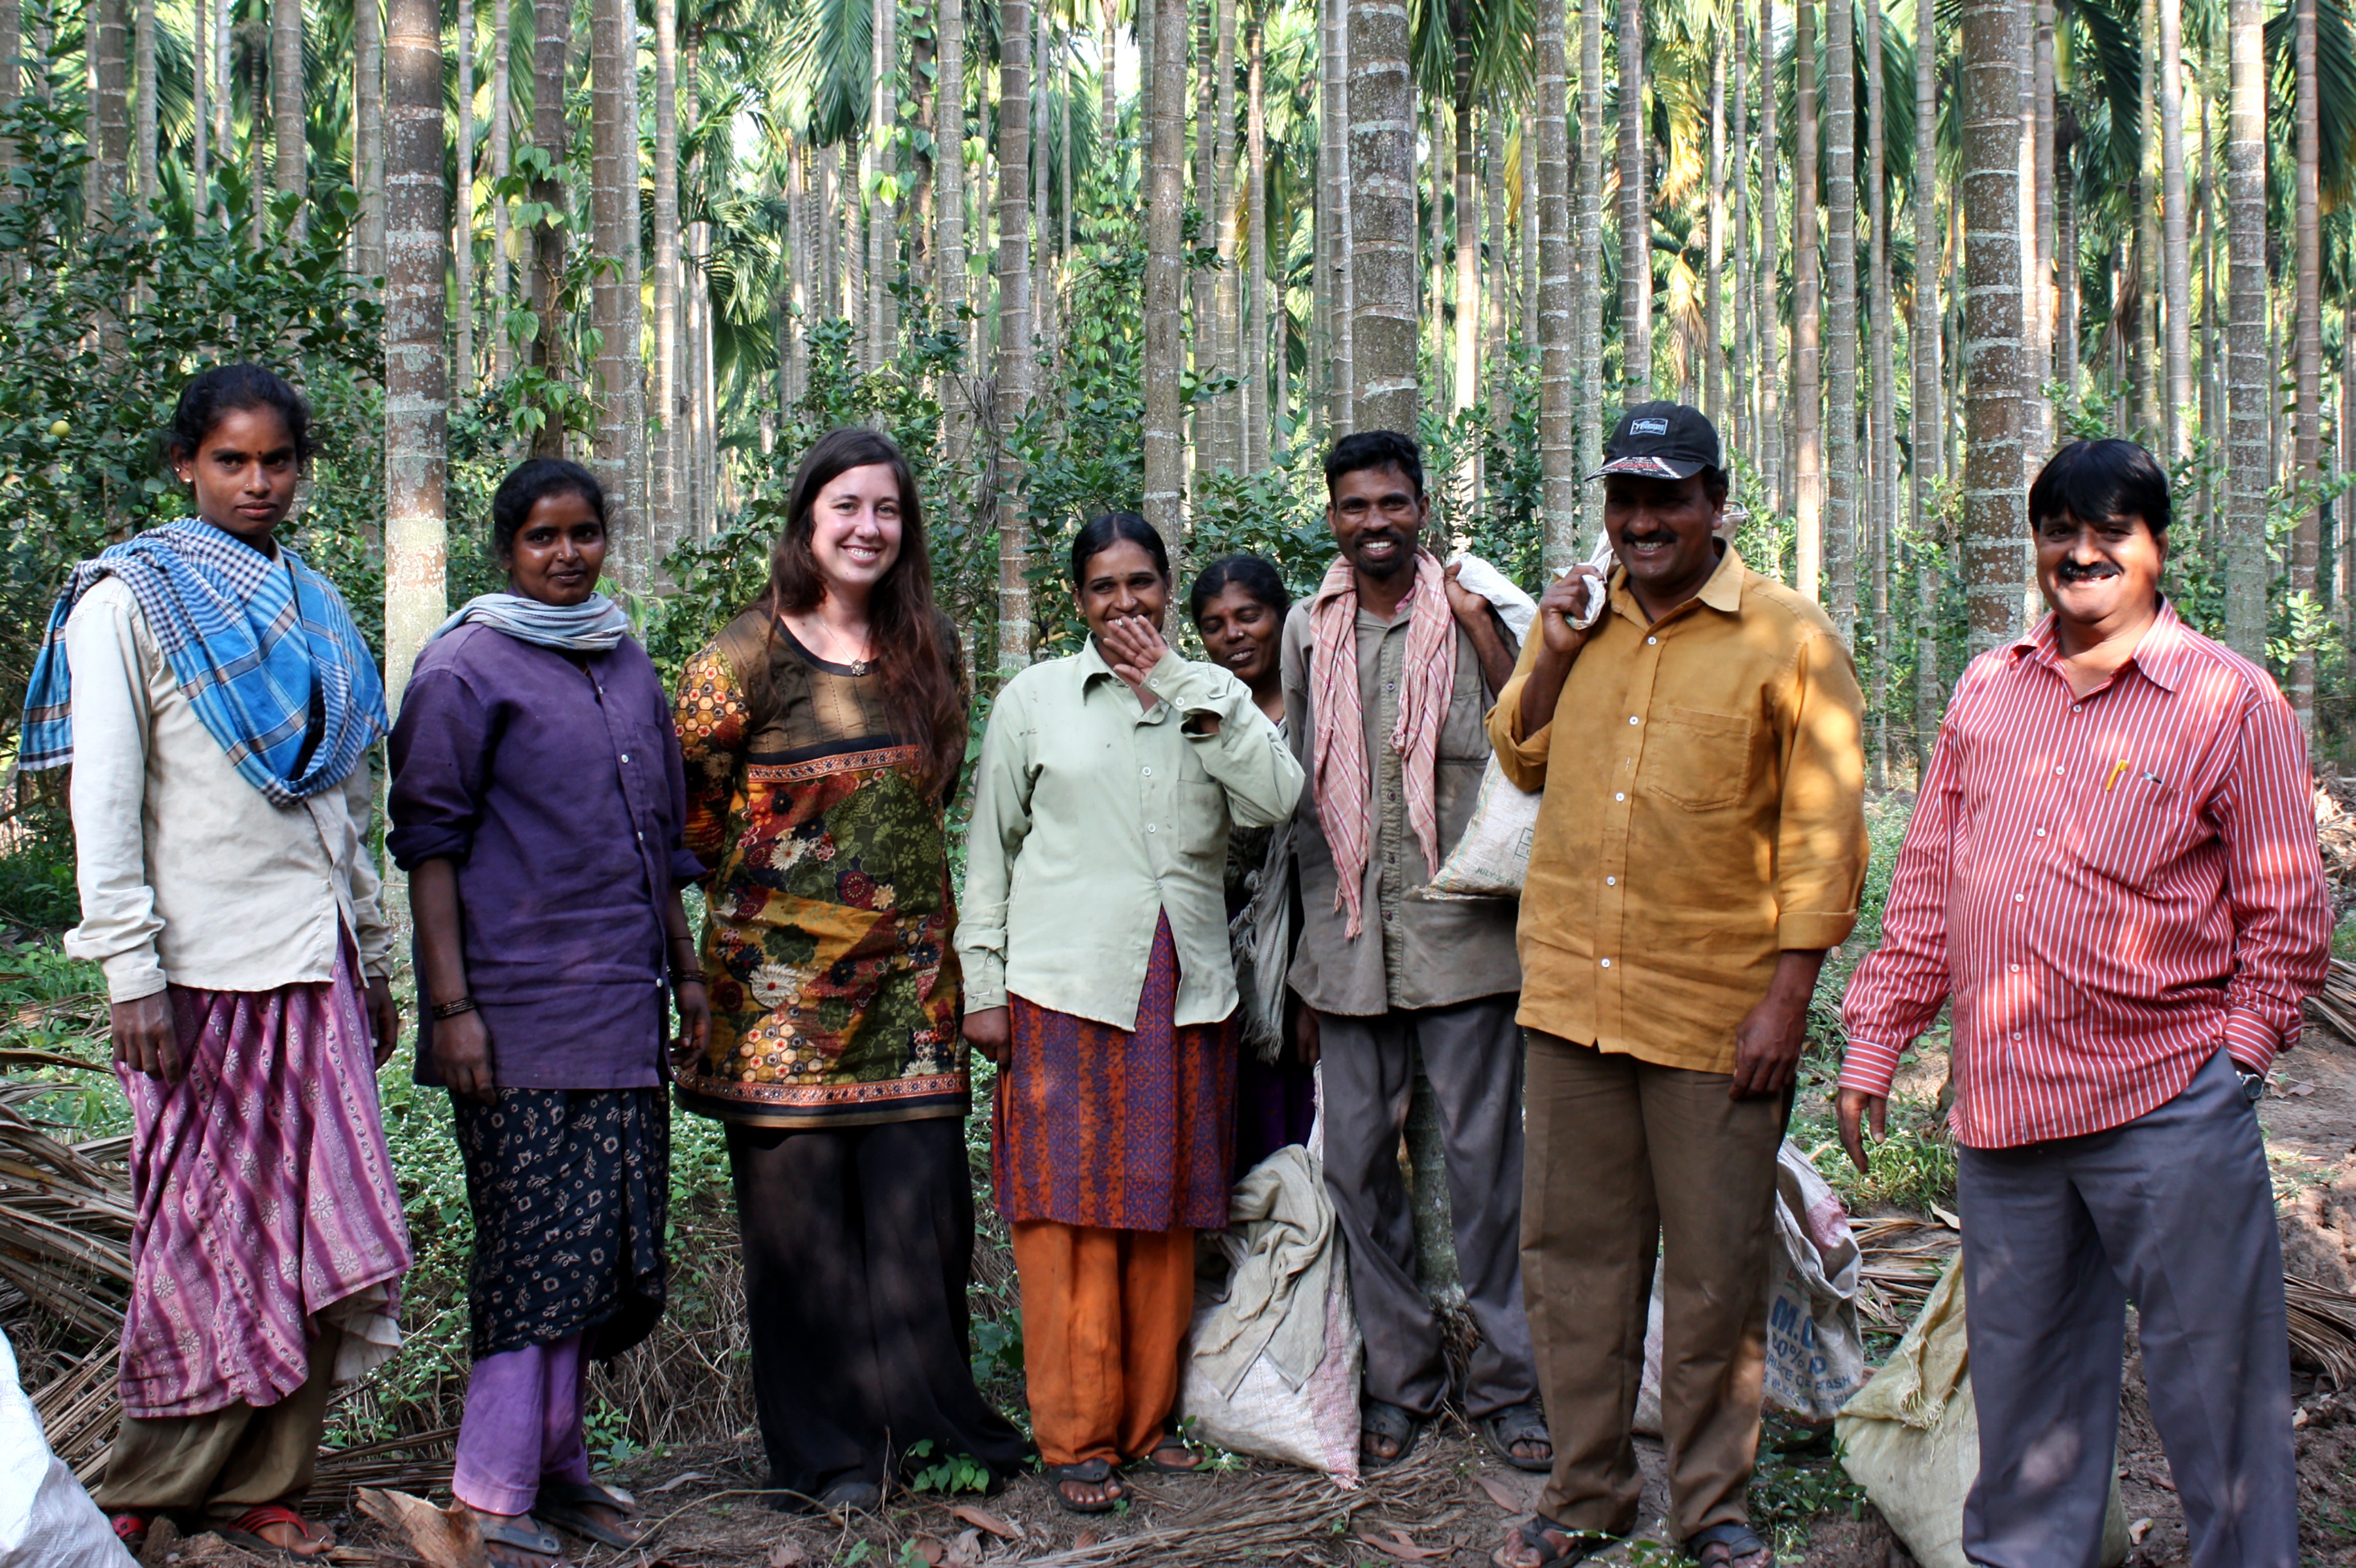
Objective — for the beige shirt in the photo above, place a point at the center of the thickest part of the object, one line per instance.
(1092, 817)
(1703, 811)
(1411, 953)
(189, 874)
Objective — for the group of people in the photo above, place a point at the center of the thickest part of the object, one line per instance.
(1193, 922)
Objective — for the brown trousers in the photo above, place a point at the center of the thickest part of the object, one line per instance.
(1629, 1162)
(1104, 1323)
(225, 1461)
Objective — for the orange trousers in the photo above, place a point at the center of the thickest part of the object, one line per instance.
(1104, 1323)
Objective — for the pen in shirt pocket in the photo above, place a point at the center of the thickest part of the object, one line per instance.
(2119, 768)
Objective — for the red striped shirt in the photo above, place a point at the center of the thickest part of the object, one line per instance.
(2108, 885)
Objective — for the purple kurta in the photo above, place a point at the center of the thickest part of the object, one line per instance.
(558, 792)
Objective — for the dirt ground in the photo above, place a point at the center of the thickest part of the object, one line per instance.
(1452, 1503)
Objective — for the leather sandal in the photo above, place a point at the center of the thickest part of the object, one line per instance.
(1541, 1534)
(505, 1536)
(1095, 1473)
(1523, 1422)
(1732, 1545)
(245, 1531)
(1156, 1464)
(566, 1505)
(1402, 1427)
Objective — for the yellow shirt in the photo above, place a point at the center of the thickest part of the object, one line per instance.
(1704, 810)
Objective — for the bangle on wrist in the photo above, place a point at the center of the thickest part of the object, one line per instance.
(685, 976)
(451, 1009)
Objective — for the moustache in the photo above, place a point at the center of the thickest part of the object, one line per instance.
(2072, 572)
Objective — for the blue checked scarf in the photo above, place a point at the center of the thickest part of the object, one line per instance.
(270, 659)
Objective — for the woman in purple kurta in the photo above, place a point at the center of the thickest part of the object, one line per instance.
(537, 803)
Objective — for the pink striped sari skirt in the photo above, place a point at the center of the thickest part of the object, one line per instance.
(264, 1197)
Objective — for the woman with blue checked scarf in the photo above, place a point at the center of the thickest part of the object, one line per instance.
(217, 705)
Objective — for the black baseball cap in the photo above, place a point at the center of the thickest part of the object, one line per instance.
(1661, 441)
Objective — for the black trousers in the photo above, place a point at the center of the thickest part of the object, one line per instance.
(858, 1245)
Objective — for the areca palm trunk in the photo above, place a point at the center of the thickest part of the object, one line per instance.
(1635, 212)
(1497, 276)
(2149, 380)
(1764, 315)
(1882, 512)
(1334, 168)
(367, 122)
(1226, 294)
(287, 147)
(1840, 315)
(1713, 358)
(1382, 216)
(143, 71)
(552, 40)
(663, 499)
(1557, 328)
(1739, 402)
(462, 237)
(2305, 540)
(1256, 356)
(2246, 391)
(1165, 201)
(1995, 498)
(502, 133)
(109, 108)
(1807, 293)
(618, 456)
(948, 208)
(1014, 329)
(2176, 264)
(1926, 382)
(2065, 248)
(416, 388)
(1467, 391)
(1585, 272)
(200, 83)
(883, 218)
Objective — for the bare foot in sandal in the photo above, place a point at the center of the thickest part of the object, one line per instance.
(1729, 1545)
(517, 1540)
(1089, 1487)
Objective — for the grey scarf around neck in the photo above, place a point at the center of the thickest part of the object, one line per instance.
(595, 625)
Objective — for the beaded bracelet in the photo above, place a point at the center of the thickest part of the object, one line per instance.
(452, 1009)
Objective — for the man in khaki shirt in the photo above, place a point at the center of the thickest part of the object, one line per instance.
(1700, 844)
(1387, 670)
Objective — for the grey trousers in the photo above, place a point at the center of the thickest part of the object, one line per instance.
(1473, 1053)
(2174, 1210)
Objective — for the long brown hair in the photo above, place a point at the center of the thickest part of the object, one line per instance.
(921, 687)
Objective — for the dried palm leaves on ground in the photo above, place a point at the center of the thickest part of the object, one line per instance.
(1901, 1258)
(2323, 1328)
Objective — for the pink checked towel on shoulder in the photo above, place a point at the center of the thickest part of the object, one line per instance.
(1341, 774)
(264, 1197)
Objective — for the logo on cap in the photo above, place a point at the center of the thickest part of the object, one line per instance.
(1648, 427)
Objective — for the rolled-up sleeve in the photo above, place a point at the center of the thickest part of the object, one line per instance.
(1820, 842)
(1521, 759)
(1001, 821)
(440, 770)
(1241, 750)
(2274, 883)
(107, 796)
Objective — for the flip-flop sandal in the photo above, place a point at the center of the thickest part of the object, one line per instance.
(130, 1529)
(1153, 1462)
(1523, 1422)
(1729, 1545)
(1384, 1420)
(524, 1534)
(566, 1505)
(245, 1531)
(1087, 1473)
(1579, 1545)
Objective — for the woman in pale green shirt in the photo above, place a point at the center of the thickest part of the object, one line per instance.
(1094, 942)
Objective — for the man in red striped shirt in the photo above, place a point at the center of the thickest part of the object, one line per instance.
(2112, 871)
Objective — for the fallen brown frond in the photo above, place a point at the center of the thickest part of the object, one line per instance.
(2323, 1328)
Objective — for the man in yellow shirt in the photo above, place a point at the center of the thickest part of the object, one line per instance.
(1700, 846)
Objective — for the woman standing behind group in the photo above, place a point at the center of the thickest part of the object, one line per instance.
(1095, 953)
(824, 730)
(536, 803)
(1238, 604)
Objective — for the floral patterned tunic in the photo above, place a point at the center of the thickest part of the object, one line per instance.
(835, 995)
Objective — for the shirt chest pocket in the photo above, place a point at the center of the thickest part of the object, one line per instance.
(1199, 808)
(1698, 760)
(2130, 830)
